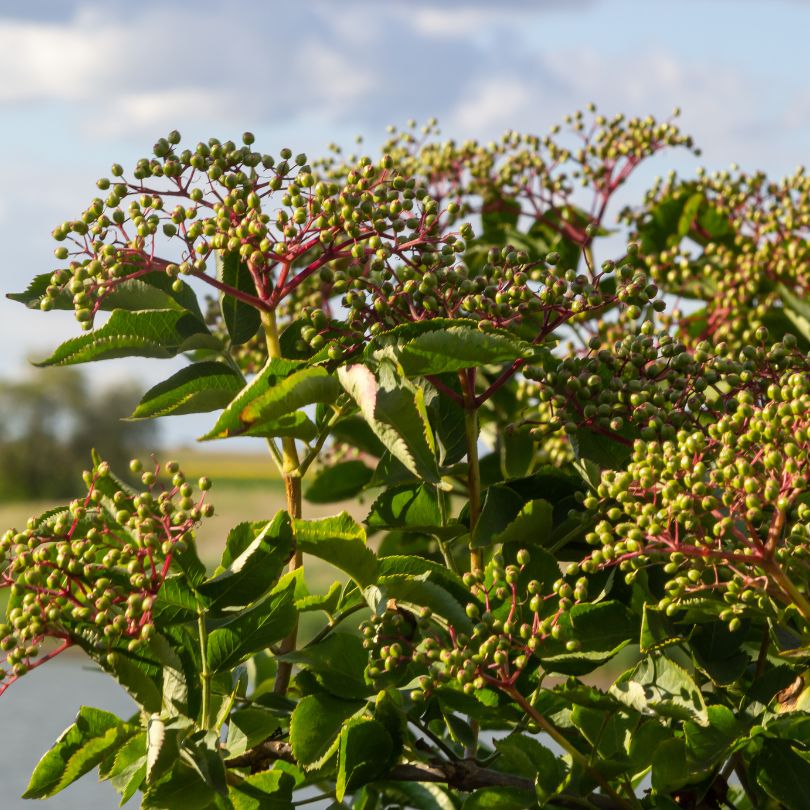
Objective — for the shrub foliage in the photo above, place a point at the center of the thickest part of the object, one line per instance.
(566, 456)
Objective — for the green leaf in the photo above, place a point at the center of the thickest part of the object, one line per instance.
(421, 568)
(338, 663)
(659, 686)
(499, 798)
(138, 679)
(610, 453)
(783, 774)
(412, 507)
(797, 309)
(79, 749)
(341, 541)
(364, 751)
(530, 527)
(526, 757)
(179, 790)
(248, 727)
(448, 347)
(241, 319)
(159, 333)
(252, 630)
(128, 770)
(163, 739)
(500, 507)
(198, 388)
(339, 483)
(396, 414)
(711, 742)
(315, 727)
(655, 632)
(517, 452)
(255, 570)
(418, 795)
(269, 405)
(602, 630)
(268, 790)
(175, 603)
(355, 431)
(717, 651)
(670, 768)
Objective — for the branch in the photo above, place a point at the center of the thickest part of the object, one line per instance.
(465, 775)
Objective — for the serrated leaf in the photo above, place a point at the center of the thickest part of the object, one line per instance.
(162, 745)
(248, 727)
(270, 405)
(527, 757)
(396, 414)
(181, 789)
(175, 603)
(411, 507)
(450, 347)
(339, 483)
(421, 568)
(252, 630)
(658, 685)
(315, 727)
(255, 570)
(530, 527)
(268, 790)
(364, 750)
(655, 632)
(241, 319)
(198, 388)
(79, 749)
(711, 742)
(783, 774)
(341, 541)
(338, 663)
(161, 333)
(128, 770)
(138, 679)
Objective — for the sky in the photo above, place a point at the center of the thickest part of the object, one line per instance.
(84, 84)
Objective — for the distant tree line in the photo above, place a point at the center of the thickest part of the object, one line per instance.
(47, 425)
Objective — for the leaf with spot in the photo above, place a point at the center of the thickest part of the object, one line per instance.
(270, 405)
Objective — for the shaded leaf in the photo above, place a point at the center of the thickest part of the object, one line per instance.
(241, 319)
(158, 333)
(315, 727)
(338, 483)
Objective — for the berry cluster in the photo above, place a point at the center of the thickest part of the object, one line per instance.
(516, 609)
(90, 573)
(649, 384)
(745, 233)
(272, 212)
(721, 507)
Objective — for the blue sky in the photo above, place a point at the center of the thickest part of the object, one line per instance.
(84, 84)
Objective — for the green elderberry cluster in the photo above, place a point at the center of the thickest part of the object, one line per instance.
(89, 573)
(649, 384)
(537, 176)
(722, 508)
(747, 237)
(514, 610)
(270, 211)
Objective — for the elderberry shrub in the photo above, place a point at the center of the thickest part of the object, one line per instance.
(554, 466)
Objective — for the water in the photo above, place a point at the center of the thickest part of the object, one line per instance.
(34, 712)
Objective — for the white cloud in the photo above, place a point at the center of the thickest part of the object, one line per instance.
(492, 104)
